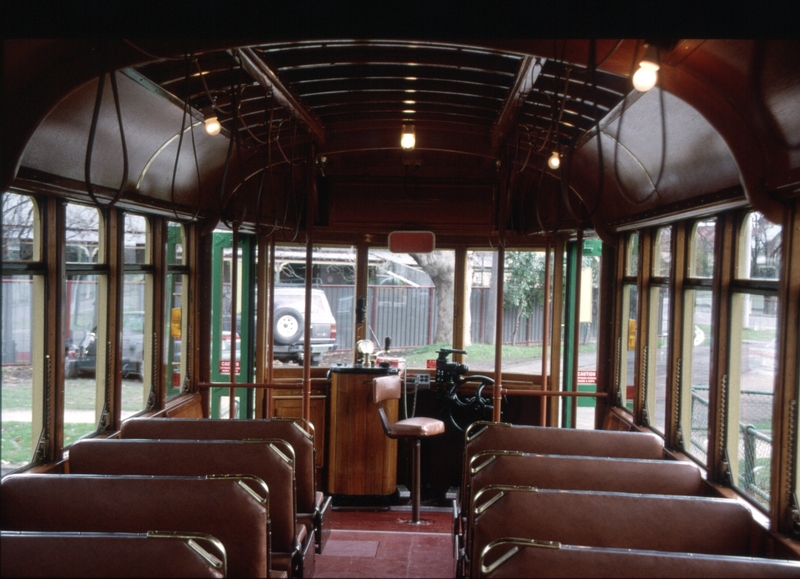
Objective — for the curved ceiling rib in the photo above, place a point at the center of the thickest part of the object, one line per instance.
(472, 103)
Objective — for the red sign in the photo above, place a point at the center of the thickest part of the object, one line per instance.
(587, 376)
(225, 367)
(430, 364)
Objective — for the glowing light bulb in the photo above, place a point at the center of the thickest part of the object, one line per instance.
(212, 125)
(645, 78)
(407, 141)
(554, 161)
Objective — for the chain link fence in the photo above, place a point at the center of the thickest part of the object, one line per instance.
(755, 439)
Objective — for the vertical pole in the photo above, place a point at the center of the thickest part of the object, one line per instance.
(311, 208)
(576, 328)
(498, 331)
(270, 328)
(361, 293)
(307, 334)
(234, 292)
(462, 301)
(416, 483)
(545, 335)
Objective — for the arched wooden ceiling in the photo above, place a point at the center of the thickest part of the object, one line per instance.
(487, 114)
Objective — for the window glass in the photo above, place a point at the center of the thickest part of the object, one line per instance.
(20, 228)
(410, 299)
(627, 379)
(662, 253)
(332, 305)
(83, 234)
(752, 371)
(632, 255)
(523, 315)
(701, 249)
(696, 370)
(136, 240)
(588, 307)
(657, 357)
(22, 383)
(84, 351)
(134, 397)
(174, 318)
(759, 248)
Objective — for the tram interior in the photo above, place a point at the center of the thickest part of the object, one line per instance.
(565, 268)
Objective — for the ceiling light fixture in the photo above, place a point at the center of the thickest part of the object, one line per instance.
(645, 78)
(554, 161)
(212, 123)
(408, 140)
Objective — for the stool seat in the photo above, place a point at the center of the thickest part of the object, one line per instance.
(417, 427)
(413, 429)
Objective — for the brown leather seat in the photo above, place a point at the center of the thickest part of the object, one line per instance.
(85, 554)
(233, 509)
(313, 508)
(390, 388)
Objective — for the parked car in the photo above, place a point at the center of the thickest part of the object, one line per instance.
(289, 324)
(81, 359)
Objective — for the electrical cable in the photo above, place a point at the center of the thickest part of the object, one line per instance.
(180, 139)
(607, 56)
(150, 54)
(202, 76)
(600, 167)
(620, 188)
(227, 162)
(101, 81)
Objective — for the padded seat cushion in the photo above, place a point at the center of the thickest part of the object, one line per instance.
(418, 427)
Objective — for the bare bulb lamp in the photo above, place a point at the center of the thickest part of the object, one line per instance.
(408, 140)
(645, 78)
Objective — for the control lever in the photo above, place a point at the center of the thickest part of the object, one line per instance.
(387, 342)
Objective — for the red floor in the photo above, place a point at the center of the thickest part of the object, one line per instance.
(380, 544)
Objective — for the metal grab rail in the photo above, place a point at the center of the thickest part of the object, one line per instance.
(551, 393)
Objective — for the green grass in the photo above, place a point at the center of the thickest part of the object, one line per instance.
(476, 353)
(79, 394)
(765, 336)
(17, 438)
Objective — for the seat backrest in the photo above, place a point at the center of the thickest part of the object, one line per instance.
(614, 520)
(110, 555)
(386, 388)
(225, 508)
(222, 429)
(270, 460)
(528, 558)
(621, 475)
(546, 471)
(482, 436)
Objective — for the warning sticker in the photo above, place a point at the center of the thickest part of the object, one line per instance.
(587, 376)
(430, 364)
(225, 366)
